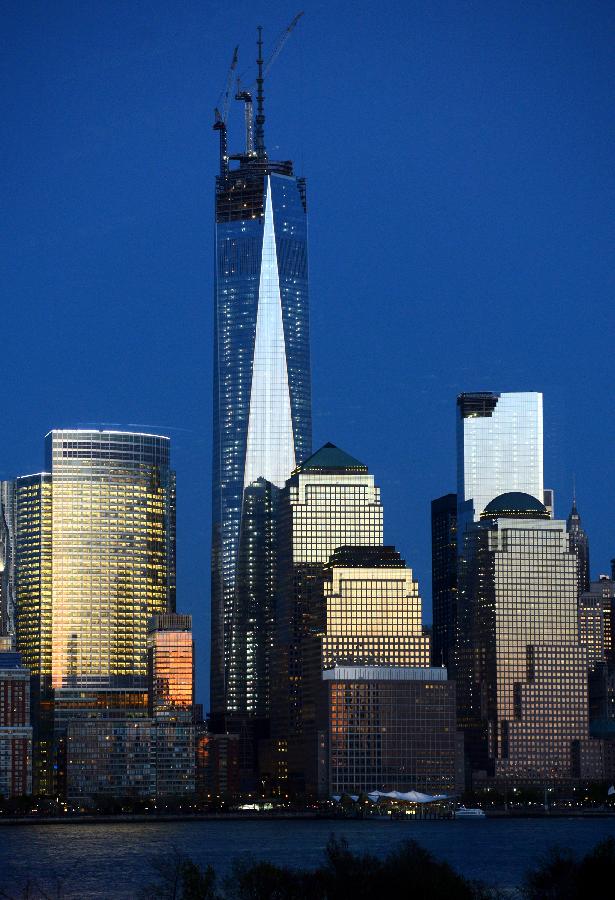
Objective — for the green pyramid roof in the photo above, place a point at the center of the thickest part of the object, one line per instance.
(331, 457)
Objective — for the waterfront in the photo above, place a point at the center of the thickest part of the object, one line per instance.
(103, 860)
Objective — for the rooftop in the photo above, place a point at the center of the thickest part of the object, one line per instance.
(331, 459)
(517, 505)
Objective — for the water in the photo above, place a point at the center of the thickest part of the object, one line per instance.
(113, 860)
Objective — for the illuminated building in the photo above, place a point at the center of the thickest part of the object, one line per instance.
(113, 561)
(499, 449)
(579, 545)
(33, 605)
(171, 702)
(525, 682)
(7, 559)
(262, 400)
(597, 620)
(110, 757)
(95, 558)
(444, 577)
(330, 500)
(15, 728)
(374, 715)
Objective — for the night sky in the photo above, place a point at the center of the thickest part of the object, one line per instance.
(459, 158)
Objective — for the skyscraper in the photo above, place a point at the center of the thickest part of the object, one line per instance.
(95, 558)
(499, 449)
(579, 545)
(262, 398)
(171, 702)
(7, 559)
(528, 695)
(444, 577)
(15, 728)
(113, 560)
(330, 501)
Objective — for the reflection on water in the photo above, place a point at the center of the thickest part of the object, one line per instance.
(114, 861)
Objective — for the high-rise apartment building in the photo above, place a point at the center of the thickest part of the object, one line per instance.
(523, 683)
(579, 545)
(262, 400)
(444, 578)
(499, 449)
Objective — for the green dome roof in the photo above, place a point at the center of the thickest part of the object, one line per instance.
(517, 505)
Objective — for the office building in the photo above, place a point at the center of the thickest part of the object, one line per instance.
(95, 558)
(444, 578)
(33, 529)
(329, 501)
(523, 686)
(374, 715)
(113, 561)
(597, 620)
(499, 449)
(15, 727)
(579, 545)
(7, 560)
(262, 402)
(171, 703)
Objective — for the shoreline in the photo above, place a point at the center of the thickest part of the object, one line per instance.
(141, 818)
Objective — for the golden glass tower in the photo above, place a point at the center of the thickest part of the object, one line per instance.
(113, 561)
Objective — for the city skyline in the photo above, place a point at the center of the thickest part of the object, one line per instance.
(351, 333)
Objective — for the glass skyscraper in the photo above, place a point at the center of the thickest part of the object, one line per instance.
(262, 398)
(499, 449)
(524, 685)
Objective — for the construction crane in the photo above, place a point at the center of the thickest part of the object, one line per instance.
(246, 93)
(221, 113)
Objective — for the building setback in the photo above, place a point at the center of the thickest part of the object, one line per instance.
(523, 685)
(375, 716)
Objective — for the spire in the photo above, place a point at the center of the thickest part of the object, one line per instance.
(260, 101)
(574, 496)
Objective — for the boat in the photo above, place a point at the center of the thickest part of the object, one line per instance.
(464, 813)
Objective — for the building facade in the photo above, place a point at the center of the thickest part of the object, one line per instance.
(499, 449)
(95, 558)
(374, 715)
(331, 500)
(15, 727)
(262, 398)
(7, 560)
(579, 545)
(444, 578)
(171, 703)
(33, 529)
(522, 683)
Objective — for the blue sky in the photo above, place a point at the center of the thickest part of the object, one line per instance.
(459, 158)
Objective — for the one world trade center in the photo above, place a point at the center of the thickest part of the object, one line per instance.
(262, 400)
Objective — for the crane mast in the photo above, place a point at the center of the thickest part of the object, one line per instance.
(220, 116)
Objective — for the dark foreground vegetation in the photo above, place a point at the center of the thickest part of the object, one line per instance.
(409, 872)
